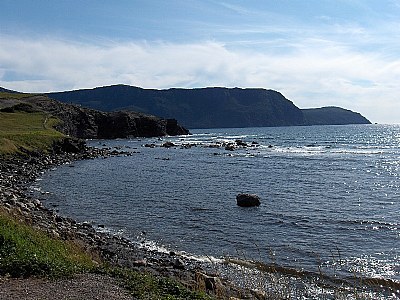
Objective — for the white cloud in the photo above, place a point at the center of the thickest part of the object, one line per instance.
(313, 73)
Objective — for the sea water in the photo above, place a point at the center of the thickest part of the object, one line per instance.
(330, 195)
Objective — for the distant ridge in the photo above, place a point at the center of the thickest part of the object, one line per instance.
(332, 115)
(3, 90)
(212, 107)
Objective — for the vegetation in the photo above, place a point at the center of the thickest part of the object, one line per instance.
(147, 286)
(21, 131)
(25, 251)
(14, 95)
(24, 129)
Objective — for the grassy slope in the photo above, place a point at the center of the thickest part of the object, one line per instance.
(6, 95)
(25, 131)
(25, 252)
(21, 131)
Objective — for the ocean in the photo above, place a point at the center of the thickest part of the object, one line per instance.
(330, 195)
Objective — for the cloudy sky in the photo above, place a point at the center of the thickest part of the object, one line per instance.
(315, 52)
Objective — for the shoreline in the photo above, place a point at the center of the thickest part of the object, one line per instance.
(17, 173)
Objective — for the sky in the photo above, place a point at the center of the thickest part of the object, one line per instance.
(315, 52)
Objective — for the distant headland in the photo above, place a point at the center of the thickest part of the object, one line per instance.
(212, 107)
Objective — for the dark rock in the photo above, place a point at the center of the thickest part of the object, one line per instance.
(214, 146)
(179, 264)
(168, 145)
(248, 200)
(209, 283)
(230, 147)
(240, 143)
(173, 128)
(69, 145)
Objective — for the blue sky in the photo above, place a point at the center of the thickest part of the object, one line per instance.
(315, 52)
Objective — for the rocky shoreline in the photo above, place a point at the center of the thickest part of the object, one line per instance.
(17, 174)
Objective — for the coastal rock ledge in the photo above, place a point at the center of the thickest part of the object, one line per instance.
(248, 200)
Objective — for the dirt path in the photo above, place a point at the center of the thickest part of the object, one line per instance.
(85, 287)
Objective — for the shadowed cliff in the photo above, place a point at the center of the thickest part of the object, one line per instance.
(209, 107)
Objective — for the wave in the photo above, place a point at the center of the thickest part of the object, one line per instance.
(264, 144)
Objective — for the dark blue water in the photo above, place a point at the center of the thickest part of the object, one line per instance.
(330, 195)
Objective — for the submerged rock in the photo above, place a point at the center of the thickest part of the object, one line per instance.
(248, 200)
(230, 147)
(240, 143)
(168, 145)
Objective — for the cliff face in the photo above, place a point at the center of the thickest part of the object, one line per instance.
(205, 107)
(195, 108)
(89, 123)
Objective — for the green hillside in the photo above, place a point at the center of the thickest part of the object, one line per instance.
(23, 129)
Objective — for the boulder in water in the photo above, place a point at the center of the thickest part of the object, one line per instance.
(248, 200)
(168, 145)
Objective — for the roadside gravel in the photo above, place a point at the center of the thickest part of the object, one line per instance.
(85, 287)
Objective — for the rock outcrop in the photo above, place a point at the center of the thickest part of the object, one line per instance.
(80, 122)
(247, 200)
(69, 145)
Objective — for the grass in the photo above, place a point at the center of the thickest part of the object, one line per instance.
(26, 252)
(147, 286)
(14, 95)
(21, 132)
(22, 129)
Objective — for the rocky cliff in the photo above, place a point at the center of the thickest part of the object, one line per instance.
(80, 122)
(205, 107)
